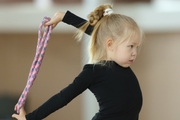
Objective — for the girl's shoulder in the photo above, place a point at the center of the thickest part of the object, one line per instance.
(108, 66)
(99, 68)
(102, 65)
(94, 66)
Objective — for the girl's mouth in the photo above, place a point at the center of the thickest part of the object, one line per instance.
(131, 61)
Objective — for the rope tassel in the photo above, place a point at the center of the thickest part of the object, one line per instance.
(40, 51)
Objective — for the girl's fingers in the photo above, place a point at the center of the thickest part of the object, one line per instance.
(15, 107)
(18, 117)
(21, 115)
(15, 116)
(49, 22)
(54, 25)
(58, 16)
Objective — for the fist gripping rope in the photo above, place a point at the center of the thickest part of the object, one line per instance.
(40, 51)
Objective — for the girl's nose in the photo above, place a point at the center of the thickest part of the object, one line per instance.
(134, 53)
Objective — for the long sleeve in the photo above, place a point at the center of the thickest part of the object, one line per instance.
(76, 21)
(80, 84)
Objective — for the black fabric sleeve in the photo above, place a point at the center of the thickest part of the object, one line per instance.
(80, 84)
(76, 21)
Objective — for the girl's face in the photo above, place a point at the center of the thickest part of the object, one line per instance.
(125, 53)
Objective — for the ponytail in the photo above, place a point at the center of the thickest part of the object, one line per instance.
(93, 18)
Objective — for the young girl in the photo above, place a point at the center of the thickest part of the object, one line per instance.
(115, 40)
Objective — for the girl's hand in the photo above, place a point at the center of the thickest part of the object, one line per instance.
(21, 115)
(58, 16)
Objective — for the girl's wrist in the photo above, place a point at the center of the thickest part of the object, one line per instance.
(60, 15)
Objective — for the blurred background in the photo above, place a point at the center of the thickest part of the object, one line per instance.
(157, 66)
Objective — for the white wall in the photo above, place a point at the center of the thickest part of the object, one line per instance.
(153, 16)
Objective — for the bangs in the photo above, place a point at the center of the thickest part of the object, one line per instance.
(129, 33)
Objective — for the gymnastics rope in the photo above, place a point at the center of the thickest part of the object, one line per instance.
(40, 51)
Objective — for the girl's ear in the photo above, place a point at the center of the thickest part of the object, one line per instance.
(110, 44)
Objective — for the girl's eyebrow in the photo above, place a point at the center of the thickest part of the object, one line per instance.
(135, 43)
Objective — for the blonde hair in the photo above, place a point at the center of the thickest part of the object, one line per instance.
(115, 26)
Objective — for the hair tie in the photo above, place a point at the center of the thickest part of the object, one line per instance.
(107, 11)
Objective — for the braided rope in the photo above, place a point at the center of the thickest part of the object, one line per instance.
(40, 51)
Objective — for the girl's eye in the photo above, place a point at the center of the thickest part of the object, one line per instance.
(131, 46)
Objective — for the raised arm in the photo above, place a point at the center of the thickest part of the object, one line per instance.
(76, 21)
(70, 19)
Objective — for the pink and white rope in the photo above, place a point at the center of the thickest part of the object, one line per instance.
(40, 51)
